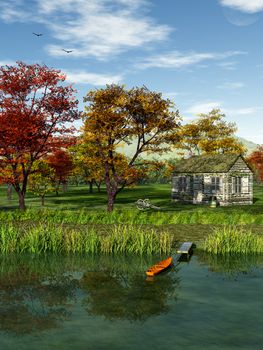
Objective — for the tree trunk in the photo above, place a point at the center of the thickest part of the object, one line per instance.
(111, 200)
(9, 192)
(111, 188)
(64, 187)
(98, 184)
(90, 186)
(21, 189)
(56, 189)
(22, 204)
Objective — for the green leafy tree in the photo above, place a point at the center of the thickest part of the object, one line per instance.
(41, 179)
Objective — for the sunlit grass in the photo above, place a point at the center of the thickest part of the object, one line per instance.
(49, 237)
(232, 240)
(133, 216)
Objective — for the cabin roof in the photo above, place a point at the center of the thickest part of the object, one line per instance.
(214, 163)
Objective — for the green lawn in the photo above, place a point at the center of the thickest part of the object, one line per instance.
(159, 194)
(77, 208)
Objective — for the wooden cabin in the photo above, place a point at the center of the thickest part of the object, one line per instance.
(226, 178)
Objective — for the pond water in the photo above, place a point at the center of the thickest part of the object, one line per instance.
(104, 302)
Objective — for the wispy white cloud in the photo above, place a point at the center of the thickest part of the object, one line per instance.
(176, 59)
(170, 94)
(203, 107)
(174, 95)
(94, 28)
(228, 65)
(82, 77)
(12, 10)
(228, 85)
(249, 6)
(243, 111)
(206, 107)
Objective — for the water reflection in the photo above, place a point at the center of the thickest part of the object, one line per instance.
(131, 296)
(231, 265)
(29, 302)
(39, 293)
(53, 302)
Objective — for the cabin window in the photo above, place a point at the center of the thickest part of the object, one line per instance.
(215, 183)
(175, 183)
(182, 183)
(236, 184)
(198, 183)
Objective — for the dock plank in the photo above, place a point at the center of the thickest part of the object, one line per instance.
(185, 248)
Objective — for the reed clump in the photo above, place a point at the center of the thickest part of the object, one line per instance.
(233, 240)
(45, 237)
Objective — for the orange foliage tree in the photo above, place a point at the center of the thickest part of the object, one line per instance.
(114, 116)
(34, 110)
(256, 161)
(86, 164)
(210, 134)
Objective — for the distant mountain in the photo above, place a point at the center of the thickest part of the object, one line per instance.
(130, 150)
(250, 146)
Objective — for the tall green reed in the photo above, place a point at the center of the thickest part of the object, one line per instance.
(233, 240)
(58, 238)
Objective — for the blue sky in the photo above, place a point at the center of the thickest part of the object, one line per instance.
(202, 54)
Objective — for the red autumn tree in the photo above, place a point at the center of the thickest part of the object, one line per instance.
(34, 114)
(62, 163)
(256, 161)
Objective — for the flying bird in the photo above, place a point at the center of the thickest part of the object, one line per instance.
(67, 51)
(37, 34)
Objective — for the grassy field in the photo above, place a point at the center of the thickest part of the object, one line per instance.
(77, 209)
(78, 197)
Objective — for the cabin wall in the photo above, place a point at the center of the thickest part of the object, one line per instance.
(199, 188)
(210, 189)
(240, 184)
(182, 190)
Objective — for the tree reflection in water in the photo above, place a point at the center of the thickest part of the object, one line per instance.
(39, 293)
(129, 297)
(30, 303)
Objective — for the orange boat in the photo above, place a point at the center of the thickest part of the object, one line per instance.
(159, 267)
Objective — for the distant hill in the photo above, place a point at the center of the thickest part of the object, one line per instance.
(130, 150)
(250, 146)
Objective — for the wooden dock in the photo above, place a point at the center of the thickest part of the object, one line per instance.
(185, 248)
